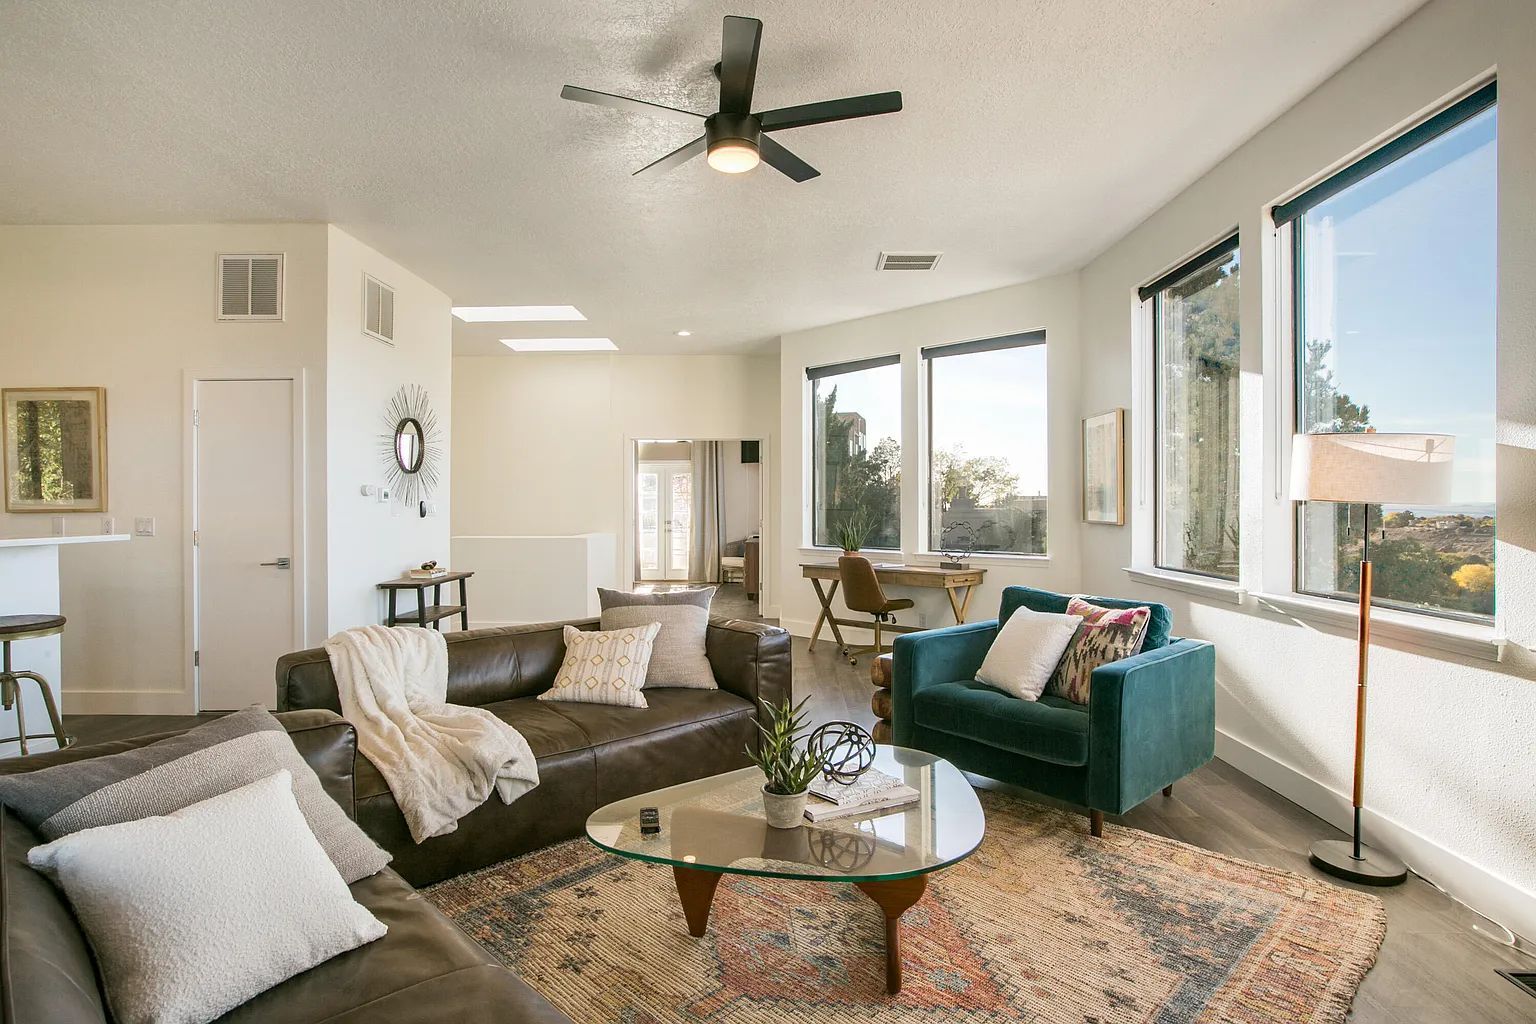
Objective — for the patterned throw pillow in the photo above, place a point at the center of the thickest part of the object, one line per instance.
(1106, 635)
(604, 668)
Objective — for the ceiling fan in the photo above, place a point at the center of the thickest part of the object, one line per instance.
(734, 138)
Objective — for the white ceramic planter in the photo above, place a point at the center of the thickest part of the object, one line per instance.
(784, 811)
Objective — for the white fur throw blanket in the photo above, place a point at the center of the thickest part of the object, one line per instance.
(441, 760)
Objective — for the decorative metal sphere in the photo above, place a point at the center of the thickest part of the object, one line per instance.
(845, 750)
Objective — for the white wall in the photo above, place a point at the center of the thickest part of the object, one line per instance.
(131, 308)
(1450, 786)
(1052, 304)
(740, 493)
(542, 441)
(372, 541)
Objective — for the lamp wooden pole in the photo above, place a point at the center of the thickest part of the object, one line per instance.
(1352, 859)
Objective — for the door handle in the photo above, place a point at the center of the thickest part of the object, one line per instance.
(281, 563)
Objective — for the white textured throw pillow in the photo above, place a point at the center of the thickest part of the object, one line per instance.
(193, 913)
(606, 667)
(1025, 653)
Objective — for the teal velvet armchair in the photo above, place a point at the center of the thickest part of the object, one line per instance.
(1150, 721)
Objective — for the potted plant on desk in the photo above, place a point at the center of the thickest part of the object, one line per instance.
(788, 769)
(851, 531)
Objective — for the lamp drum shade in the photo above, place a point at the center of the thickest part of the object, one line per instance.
(1374, 468)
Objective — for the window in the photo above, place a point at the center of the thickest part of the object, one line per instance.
(1195, 339)
(987, 445)
(1394, 267)
(855, 452)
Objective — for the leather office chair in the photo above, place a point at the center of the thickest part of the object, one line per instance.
(862, 593)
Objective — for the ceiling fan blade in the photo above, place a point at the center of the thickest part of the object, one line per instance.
(678, 156)
(781, 159)
(604, 99)
(738, 63)
(830, 110)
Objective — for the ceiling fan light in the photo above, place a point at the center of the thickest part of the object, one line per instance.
(733, 156)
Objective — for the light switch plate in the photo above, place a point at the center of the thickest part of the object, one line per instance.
(144, 526)
(58, 526)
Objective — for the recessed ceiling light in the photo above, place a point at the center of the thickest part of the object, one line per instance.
(684, 334)
(509, 314)
(560, 344)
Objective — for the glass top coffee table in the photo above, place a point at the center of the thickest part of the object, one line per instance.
(715, 826)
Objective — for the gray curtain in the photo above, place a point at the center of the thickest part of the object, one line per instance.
(708, 521)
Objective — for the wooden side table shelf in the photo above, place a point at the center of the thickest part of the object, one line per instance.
(425, 614)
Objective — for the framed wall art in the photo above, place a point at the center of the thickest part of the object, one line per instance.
(55, 449)
(1104, 468)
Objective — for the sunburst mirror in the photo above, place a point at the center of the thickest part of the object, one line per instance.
(411, 445)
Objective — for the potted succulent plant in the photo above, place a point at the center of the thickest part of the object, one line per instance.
(788, 767)
(851, 531)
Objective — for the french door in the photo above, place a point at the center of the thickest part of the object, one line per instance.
(664, 519)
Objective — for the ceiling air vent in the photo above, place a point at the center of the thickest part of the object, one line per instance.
(378, 309)
(908, 260)
(251, 286)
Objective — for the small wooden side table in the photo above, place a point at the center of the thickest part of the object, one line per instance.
(880, 673)
(425, 614)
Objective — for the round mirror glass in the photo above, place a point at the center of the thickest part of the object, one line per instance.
(408, 446)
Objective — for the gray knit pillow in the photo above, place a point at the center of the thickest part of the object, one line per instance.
(678, 659)
(182, 770)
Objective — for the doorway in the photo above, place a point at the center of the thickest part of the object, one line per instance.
(246, 564)
(696, 512)
(664, 520)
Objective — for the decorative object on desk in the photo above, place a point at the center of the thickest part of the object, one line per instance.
(851, 531)
(788, 768)
(412, 446)
(1371, 469)
(55, 449)
(953, 559)
(426, 571)
(844, 750)
(1104, 468)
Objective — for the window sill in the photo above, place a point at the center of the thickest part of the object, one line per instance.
(1200, 586)
(1465, 638)
(989, 560)
(825, 552)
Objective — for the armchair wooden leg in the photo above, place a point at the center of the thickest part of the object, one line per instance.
(1168, 790)
(1096, 824)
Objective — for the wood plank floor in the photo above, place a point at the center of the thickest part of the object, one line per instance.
(1436, 967)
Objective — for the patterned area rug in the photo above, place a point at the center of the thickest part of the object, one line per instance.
(1042, 924)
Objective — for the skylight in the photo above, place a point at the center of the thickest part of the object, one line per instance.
(560, 344)
(510, 314)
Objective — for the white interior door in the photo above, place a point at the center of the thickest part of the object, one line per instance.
(244, 544)
(664, 519)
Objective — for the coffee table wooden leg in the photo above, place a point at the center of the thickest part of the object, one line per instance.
(894, 898)
(696, 891)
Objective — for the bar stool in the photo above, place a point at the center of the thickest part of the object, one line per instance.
(28, 627)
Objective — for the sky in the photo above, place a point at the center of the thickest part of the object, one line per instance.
(1410, 293)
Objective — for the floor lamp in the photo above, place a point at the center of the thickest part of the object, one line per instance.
(1370, 469)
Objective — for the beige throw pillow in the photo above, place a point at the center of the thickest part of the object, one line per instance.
(1022, 658)
(679, 658)
(606, 667)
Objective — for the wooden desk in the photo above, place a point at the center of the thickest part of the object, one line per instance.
(424, 613)
(959, 584)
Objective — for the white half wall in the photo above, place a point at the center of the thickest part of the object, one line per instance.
(130, 308)
(535, 579)
(1450, 784)
(1052, 304)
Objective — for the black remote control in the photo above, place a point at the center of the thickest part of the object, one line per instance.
(650, 821)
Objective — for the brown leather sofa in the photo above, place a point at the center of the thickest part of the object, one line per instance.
(424, 970)
(588, 754)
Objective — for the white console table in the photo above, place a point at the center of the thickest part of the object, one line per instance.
(29, 585)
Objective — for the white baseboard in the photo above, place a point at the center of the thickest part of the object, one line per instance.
(1493, 897)
(128, 702)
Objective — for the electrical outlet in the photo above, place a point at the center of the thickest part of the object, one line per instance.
(144, 526)
(58, 526)
(108, 525)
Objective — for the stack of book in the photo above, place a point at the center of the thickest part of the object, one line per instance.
(872, 791)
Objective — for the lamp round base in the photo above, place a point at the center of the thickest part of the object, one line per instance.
(1372, 867)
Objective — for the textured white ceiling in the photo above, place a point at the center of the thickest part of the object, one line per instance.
(1035, 133)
